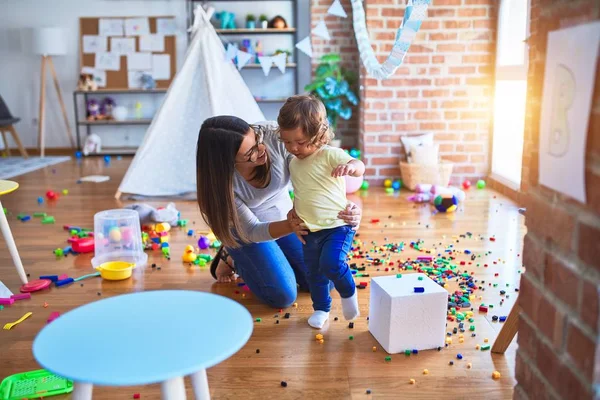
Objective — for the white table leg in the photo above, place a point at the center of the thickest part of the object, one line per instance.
(173, 389)
(200, 384)
(82, 391)
(12, 247)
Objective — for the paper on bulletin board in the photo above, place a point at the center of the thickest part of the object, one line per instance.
(166, 26)
(566, 102)
(107, 61)
(110, 27)
(136, 26)
(122, 45)
(99, 76)
(153, 42)
(94, 44)
(161, 66)
(139, 61)
(134, 79)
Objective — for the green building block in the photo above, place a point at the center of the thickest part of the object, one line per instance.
(351, 337)
(48, 220)
(388, 358)
(407, 352)
(472, 328)
(40, 215)
(398, 275)
(485, 347)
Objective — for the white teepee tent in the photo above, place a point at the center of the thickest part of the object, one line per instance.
(207, 85)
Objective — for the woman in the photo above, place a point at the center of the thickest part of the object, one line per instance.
(243, 179)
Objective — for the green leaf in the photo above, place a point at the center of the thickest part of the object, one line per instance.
(331, 58)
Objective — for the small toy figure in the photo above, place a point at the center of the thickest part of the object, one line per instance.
(278, 22)
(93, 110)
(106, 109)
(86, 83)
(138, 110)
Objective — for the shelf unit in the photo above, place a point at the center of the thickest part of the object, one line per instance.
(89, 124)
(299, 28)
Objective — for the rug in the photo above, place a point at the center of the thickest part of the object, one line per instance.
(15, 166)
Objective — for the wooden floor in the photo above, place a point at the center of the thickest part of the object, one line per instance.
(337, 369)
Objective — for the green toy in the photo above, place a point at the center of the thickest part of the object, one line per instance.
(33, 385)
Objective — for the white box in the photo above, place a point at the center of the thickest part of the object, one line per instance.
(401, 319)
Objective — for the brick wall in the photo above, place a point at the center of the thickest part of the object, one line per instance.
(444, 87)
(342, 42)
(559, 355)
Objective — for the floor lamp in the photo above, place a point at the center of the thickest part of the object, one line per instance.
(49, 42)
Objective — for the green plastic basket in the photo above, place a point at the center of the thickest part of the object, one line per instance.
(33, 385)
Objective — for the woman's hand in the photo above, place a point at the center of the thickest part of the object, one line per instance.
(297, 225)
(351, 215)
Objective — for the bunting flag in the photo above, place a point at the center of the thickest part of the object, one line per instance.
(231, 52)
(305, 46)
(321, 30)
(266, 63)
(280, 60)
(242, 59)
(414, 14)
(337, 9)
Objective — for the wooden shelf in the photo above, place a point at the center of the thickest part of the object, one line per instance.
(144, 121)
(275, 100)
(257, 66)
(257, 31)
(121, 91)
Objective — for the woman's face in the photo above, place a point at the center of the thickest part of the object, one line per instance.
(252, 149)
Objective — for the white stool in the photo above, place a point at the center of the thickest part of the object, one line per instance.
(5, 188)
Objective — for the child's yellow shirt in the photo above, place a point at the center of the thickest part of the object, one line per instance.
(319, 197)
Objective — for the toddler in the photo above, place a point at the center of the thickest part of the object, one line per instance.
(317, 172)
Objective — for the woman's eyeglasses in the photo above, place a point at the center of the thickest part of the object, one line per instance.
(252, 154)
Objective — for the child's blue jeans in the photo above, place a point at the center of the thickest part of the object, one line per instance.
(325, 255)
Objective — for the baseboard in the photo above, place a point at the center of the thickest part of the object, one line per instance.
(51, 151)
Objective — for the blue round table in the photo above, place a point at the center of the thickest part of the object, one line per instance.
(143, 338)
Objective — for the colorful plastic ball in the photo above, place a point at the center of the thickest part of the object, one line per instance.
(446, 203)
(354, 153)
(387, 183)
(50, 195)
(364, 186)
(397, 185)
(40, 200)
(466, 184)
(115, 235)
(78, 154)
(353, 183)
(203, 243)
(107, 159)
(481, 184)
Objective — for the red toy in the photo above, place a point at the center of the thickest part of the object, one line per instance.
(466, 184)
(51, 195)
(35, 285)
(82, 245)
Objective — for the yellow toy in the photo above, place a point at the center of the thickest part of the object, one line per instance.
(163, 227)
(115, 235)
(116, 270)
(387, 183)
(189, 255)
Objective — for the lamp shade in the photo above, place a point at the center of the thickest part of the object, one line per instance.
(49, 41)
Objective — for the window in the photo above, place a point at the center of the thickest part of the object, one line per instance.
(510, 92)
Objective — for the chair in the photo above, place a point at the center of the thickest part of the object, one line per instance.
(7, 122)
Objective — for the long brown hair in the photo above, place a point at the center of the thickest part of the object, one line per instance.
(218, 143)
(309, 114)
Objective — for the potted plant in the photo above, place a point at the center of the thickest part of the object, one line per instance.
(287, 53)
(334, 86)
(264, 21)
(250, 21)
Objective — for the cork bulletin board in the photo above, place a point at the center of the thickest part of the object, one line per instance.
(118, 79)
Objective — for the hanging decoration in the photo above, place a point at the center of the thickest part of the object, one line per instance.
(242, 59)
(305, 46)
(266, 63)
(321, 30)
(337, 9)
(280, 61)
(231, 52)
(415, 13)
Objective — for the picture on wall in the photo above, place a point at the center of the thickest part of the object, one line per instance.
(567, 98)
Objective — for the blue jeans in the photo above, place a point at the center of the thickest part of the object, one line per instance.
(272, 269)
(326, 255)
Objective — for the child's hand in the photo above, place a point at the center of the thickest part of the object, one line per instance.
(343, 170)
(297, 225)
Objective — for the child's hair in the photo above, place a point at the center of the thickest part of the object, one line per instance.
(309, 114)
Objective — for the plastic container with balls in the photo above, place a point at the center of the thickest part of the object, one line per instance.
(118, 237)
